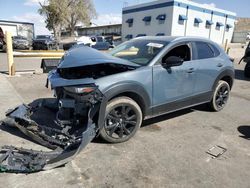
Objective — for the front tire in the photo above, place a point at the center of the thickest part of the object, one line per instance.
(123, 118)
(220, 96)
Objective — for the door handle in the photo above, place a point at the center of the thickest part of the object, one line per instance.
(219, 65)
(190, 70)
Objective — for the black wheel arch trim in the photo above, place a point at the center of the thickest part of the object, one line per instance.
(228, 72)
(123, 88)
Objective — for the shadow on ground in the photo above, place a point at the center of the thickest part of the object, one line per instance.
(245, 131)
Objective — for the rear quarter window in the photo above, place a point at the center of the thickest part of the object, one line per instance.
(204, 50)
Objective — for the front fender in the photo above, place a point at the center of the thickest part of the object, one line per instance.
(120, 88)
(227, 72)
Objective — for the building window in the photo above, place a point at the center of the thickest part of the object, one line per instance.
(160, 34)
(182, 18)
(141, 35)
(130, 22)
(209, 23)
(219, 25)
(228, 26)
(161, 18)
(147, 20)
(128, 37)
(197, 22)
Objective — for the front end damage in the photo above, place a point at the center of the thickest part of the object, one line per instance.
(73, 127)
(77, 112)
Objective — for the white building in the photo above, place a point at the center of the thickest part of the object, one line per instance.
(177, 18)
(24, 29)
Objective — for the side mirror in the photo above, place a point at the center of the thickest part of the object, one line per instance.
(172, 61)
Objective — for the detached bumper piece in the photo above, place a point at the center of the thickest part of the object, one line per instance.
(66, 138)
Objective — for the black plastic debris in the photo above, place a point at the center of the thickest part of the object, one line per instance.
(72, 129)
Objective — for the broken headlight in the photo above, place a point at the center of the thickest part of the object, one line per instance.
(81, 89)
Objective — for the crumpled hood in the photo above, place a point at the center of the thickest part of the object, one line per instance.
(84, 55)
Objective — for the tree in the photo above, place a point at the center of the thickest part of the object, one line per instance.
(78, 11)
(67, 14)
(54, 18)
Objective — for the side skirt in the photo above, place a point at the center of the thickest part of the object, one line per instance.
(180, 104)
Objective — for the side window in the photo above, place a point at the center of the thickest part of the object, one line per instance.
(182, 51)
(204, 51)
(215, 50)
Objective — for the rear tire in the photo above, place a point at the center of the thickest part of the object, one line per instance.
(123, 118)
(247, 70)
(220, 96)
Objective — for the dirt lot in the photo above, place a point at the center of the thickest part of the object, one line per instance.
(168, 151)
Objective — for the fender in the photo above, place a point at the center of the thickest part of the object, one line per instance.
(224, 73)
(122, 88)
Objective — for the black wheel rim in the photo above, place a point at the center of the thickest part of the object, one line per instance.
(120, 122)
(222, 96)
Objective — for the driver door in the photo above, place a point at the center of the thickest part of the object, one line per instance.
(173, 87)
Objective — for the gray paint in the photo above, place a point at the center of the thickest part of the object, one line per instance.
(161, 85)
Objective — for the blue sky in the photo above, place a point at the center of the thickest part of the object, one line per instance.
(109, 11)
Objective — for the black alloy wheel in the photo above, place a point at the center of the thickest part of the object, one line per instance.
(220, 96)
(123, 118)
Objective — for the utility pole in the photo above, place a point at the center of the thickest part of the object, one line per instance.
(9, 50)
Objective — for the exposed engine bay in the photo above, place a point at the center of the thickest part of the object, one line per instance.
(93, 71)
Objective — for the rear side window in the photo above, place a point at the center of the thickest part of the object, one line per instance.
(204, 51)
(215, 49)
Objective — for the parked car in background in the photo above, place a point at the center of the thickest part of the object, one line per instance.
(96, 42)
(44, 42)
(20, 42)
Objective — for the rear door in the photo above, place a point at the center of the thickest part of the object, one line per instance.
(208, 63)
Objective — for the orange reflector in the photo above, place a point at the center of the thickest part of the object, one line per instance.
(87, 89)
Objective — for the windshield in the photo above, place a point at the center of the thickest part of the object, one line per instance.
(140, 52)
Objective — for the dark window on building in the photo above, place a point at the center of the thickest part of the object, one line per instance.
(219, 25)
(204, 51)
(197, 22)
(181, 19)
(161, 18)
(147, 20)
(209, 23)
(130, 22)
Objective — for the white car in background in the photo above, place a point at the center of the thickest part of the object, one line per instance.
(97, 42)
(85, 40)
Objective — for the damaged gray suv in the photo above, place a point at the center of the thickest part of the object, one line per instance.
(144, 78)
(110, 94)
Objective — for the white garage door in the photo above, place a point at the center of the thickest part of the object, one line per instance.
(11, 28)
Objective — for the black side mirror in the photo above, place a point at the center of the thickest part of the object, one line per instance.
(172, 61)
